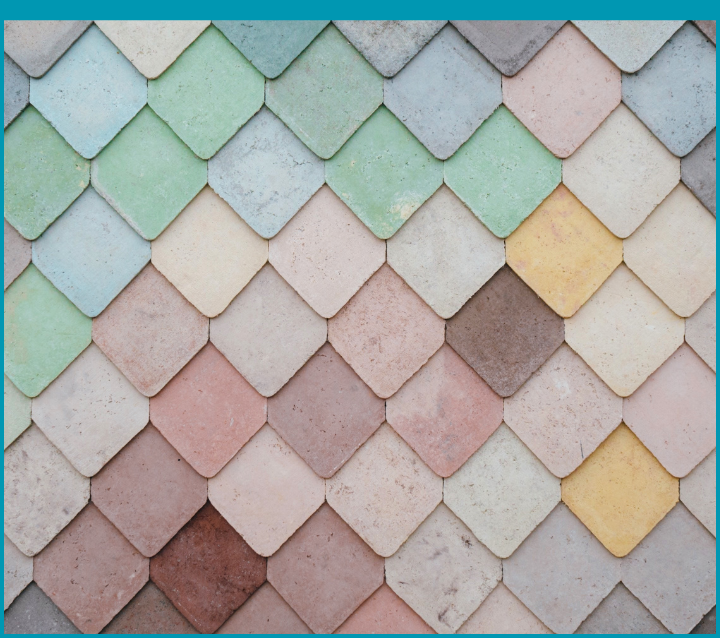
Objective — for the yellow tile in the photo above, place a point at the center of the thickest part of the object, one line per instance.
(620, 492)
(563, 252)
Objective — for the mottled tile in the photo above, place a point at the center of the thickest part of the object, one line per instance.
(265, 612)
(621, 613)
(17, 253)
(698, 492)
(325, 571)
(699, 172)
(34, 613)
(18, 571)
(708, 28)
(16, 411)
(326, 93)
(700, 331)
(17, 90)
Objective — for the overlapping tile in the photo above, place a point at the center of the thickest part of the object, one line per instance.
(708, 624)
(18, 571)
(265, 612)
(16, 411)
(700, 331)
(17, 254)
(34, 613)
(698, 492)
(707, 27)
(699, 173)
(17, 90)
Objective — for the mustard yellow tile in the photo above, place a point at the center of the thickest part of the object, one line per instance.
(620, 492)
(563, 252)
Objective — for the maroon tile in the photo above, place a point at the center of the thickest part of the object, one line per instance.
(265, 612)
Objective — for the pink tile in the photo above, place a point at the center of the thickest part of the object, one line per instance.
(265, 612)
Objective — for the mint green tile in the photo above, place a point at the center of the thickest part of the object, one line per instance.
(502, 172)
(16, 412)
(44, 332)
(43, 174)
(384, 174)
(147, 174)
(208, 93)
(326, 93)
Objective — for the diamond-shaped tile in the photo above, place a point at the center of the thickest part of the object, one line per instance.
(208, 253)
(17, 253)
(443, 572)
(673, 412)
(150, 331)
(152, 45)
(429, 94)
(698, 492)
(565, 92)
(505, 332)
(563, 252)
(16, 410)
(90, 254)
(444, 253)
(268, 312)
(326, 93)
(325, 571)
(622, 172)
(17, 90)
(90, 411)
(265, 173)
(561, 572)
(389, 44)
(44, 332)
(34, 613)
(509, 44)
(37, 44)
(43, 174)
(147, 174)
(208, 411)
(384, 174)
(208, 93)
(674, 93)
(672, 571)
(90, 94)
(18, 571)
(708, 28)
(502, 493)
(445, 412)
(207, 570)
(386, 332)
(502, 172)
(699, 173)
(90, 571)
(266, 492)
(148, 491)
(326, 412)
(700, 331)
(673, 252)
(620, 492)
(271, 45)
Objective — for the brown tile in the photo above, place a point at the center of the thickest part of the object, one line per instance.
(505, 332)
(325, 571)
(326, 412)
(148, 491)
(208, 411)
(207, 570)
(90, 571)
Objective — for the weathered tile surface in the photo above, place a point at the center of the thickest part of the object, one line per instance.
(17, 253)
(708, 28)
(34, 613)
(17, 90)
(700, 331)
(698, 492)
(18, 571)
(699, 172)
(265, 612)
(16, 411)
(708, 624)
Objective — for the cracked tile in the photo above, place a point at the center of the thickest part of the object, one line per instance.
(621, 613)
(34, 613)
(16, 410)
(18, 571)
(17, 90)
(700, 331)
(699, 173)
(17, 253)
(698, 492)
(265, 612)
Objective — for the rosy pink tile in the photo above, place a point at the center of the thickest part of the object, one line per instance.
(265, 612)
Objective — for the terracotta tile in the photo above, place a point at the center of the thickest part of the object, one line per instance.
(622, 172)
(427, 95)
(17, 254)
(207, 571)
(326, 253)
(561, 572)
(564, 92)
(698, 171)
(563, 252)
(17, 90)
(34, 613)
(621, 613)
(563, 412)
(90, 411)
(673, 252)
(698, 492)
(700, 331)
(268, 312)
(266, 492)
(672, 571)
(442, 572)
(90, 571)
(508, 44)
(505, 332)
(445, 412)
(16, 411)
(325, 571)
(386, 332)
(708, 624)
(43, 492)
(708, 28)
(18, 571)
(148, 492)
(265, 612)
(208, 411)
(673, 412)
(150, 612)
(502, 493)
(384, 491)
(444, 253)
(150, 331)
(624, 332)
(209, 253)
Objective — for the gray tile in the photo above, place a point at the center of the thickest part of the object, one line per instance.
(707, 624)
(17, 90)
(698, 172)
(621, 613)
(34, 613)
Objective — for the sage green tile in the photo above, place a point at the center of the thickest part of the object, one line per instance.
(502, 172)
(44, 332)
(384, 174)
(208, 93)
(43, 174)
(147, 174)
(16, 413)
